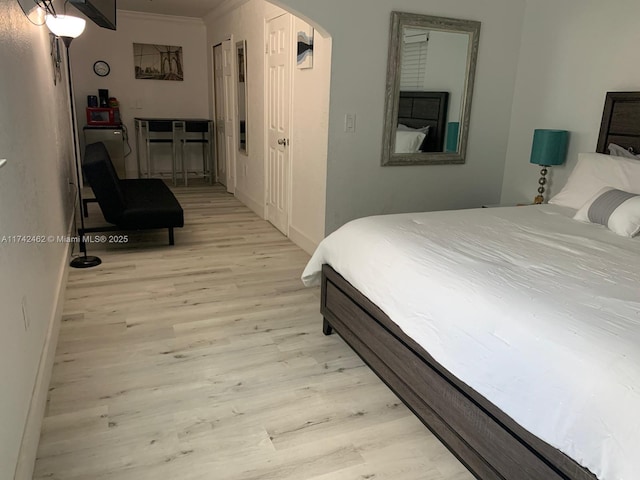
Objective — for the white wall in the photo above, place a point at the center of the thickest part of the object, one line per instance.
(35, 199)
(310, 101)
(309, 144)
(356, 183)
(572, 53)
(447, 67)
(143, 98)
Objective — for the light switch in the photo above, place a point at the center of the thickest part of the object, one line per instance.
(350, 123)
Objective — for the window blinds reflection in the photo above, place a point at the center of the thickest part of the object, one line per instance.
(414, 59)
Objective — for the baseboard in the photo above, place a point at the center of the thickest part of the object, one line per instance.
(257, 207)
(35, 416)
(300, 239)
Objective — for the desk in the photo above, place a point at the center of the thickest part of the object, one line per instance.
(172, 131)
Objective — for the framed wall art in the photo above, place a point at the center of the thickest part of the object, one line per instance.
(158, 62)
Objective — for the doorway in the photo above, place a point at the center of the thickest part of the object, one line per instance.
(282, 175)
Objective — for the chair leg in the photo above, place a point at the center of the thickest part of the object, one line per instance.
(204, 159)
(148, 157)
(138, 126)
(171, 237)
(185, 171)
(173, 163)
(210, 160)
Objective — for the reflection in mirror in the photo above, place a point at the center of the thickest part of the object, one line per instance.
(429, 86)
(241, 52)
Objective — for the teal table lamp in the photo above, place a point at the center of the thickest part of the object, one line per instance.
(549, 148)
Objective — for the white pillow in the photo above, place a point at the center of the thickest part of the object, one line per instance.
(405, 128)
(617, 210)
(409, 142)
(595, 171)
(619, 151)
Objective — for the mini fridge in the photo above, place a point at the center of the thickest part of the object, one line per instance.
(113, 139)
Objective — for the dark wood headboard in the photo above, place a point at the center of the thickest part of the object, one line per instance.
(422, 109)
(620, 122)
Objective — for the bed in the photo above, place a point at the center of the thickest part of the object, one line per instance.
(472, 422)
(418, 110)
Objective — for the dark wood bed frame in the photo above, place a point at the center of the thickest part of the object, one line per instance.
(425, 109)
(488, 442)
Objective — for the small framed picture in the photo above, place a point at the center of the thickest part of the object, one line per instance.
(305, 47)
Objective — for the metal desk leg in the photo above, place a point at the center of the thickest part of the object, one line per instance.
(148, 149)
(210, 153)
(136, 126)
(178, 153)
(185, 172)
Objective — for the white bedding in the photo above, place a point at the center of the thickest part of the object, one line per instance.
(537, 312)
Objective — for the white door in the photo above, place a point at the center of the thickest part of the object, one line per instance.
(229, 113)
(278, 112)
(221, 157)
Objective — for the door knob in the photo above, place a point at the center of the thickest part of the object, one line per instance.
(283, 141)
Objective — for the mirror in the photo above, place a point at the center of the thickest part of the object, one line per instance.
(430, 76)
(241, 53)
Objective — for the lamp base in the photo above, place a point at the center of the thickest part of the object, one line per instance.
(85, 262)
(542, 182)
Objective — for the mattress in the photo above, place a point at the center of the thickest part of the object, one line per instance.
(537, 312)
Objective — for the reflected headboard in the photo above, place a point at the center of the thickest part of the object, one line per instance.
(620, 121)
(422, 109)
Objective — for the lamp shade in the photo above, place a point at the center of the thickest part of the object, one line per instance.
(549, 147)
(66, 25)
(453, 131)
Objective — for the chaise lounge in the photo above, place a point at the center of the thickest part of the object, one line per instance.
(139, 204)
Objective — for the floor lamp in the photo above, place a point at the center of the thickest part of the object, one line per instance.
(67, 28)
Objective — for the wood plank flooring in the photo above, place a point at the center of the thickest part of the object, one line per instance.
(206, 360)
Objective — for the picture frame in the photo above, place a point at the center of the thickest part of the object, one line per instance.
(305, 47)
(158, 62)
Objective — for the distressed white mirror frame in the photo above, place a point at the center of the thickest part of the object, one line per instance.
(400, 20)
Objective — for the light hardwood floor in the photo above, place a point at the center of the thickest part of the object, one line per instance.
(207, 361)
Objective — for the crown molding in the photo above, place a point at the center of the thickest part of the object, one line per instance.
(159, 17)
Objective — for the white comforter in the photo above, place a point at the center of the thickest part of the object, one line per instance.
(537, 312)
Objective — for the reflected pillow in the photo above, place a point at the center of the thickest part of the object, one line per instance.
(595, 171)
(405, 128)
(617, 210)
(619, 151)
(409, 141)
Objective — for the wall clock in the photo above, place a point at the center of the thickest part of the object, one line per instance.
(101, 68)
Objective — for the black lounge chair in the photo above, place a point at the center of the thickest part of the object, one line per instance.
(139, 204)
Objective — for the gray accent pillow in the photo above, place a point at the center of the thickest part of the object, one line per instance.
(617, 210)
(619, 151)
(603, 207)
